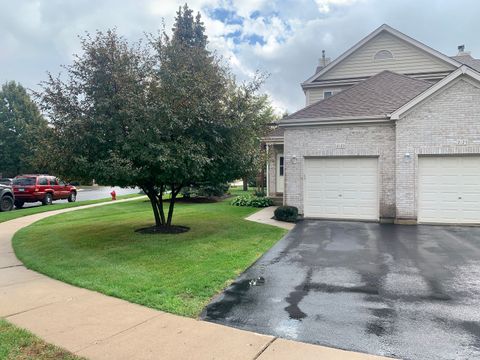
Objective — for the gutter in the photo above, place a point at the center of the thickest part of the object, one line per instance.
(334, 121)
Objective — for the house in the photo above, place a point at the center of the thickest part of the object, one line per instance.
(390, 133)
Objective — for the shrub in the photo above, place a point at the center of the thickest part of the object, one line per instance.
(252, 201)
(259, 193)
(286, 213)
(205, 190)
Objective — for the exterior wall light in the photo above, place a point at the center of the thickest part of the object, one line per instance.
(407, 156)
(294, 159)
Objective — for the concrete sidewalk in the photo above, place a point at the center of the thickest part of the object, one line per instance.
(97, 326)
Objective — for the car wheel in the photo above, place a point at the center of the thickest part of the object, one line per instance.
(72, 197)
(19, 204)
(6, 204)
(47, 200)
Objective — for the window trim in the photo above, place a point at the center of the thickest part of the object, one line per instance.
(383, 58)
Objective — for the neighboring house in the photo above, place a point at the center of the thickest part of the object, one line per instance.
(391, 132)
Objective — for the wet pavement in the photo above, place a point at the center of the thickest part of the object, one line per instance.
(410, 292)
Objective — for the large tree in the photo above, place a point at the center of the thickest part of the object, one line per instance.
(23, 132)
(160, 116)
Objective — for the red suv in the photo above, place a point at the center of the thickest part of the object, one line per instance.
(44, 188)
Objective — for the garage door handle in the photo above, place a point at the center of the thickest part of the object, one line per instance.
(459, 198)
(339, 195)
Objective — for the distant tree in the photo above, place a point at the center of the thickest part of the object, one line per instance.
(159, 117)
(254, 113)
(23, 132)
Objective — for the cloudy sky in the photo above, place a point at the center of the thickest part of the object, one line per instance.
(283, 37)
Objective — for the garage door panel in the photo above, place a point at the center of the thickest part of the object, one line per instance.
(449, 189)
(341, 188)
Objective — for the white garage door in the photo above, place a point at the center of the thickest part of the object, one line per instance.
(449, 189)
(341, 188)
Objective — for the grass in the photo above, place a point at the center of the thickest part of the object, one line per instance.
(14, 214)
(98, 249)
(19, 344)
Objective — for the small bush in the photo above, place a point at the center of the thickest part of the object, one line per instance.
(205, 190)
(260, 193)
(286, 213)
(252, 201)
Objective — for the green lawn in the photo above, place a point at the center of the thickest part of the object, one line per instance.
(10, 215)
(98, 249)
(18, 344)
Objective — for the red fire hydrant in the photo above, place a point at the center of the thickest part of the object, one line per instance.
(114, 195)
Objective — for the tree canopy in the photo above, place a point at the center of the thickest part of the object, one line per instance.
(159, 116)
(23, 132)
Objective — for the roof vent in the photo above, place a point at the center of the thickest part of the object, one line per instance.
(461, 50)
(324, 61)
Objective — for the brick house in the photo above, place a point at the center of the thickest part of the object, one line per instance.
(390, 132)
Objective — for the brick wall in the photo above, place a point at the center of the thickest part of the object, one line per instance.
(445, 124)
(341, 140)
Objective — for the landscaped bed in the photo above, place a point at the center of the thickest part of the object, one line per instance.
(99, 249)
(16, 343)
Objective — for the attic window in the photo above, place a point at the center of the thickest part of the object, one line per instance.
(383, 55)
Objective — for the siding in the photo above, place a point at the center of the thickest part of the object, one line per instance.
(341, 140)
(407, 59)
(316, 94)
(448, 123)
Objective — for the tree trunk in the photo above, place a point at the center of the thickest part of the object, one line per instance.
(154, 202)
(245, 184)
(172, 205)
(160, 204)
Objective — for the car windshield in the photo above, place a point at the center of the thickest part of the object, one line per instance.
(24, 181)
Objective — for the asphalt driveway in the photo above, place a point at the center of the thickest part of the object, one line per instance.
(410, 292)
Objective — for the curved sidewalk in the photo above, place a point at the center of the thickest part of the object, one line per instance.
(97, 326)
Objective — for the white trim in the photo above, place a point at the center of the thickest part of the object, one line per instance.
(334, 120)
(366, 39)
(268, 160)
(463, 70)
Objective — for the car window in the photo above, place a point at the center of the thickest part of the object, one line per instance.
(24, 181)
(53, 181)
(61, 182)
(43, 181)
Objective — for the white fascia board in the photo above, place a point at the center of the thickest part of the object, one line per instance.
(463, 70)
(333, 121)
(366, 39)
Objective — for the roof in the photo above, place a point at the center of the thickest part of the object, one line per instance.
(389, 29)
(469, 61)
(276, 132)
(375, 97)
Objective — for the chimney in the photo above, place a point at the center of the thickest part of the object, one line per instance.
(461, 50)
(324, 61)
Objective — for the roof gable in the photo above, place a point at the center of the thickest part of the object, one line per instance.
(405, 47)
(375, 97)
(463, 71)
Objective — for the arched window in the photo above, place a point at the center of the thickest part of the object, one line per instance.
(383, 55)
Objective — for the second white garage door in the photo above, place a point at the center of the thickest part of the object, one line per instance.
(449, 189)
(341, 188)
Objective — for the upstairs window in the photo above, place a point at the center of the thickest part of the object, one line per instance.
(383, 55)
(327, 94)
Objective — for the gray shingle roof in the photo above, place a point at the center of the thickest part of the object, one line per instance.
(469, 61)
(277, 131)
(377, 96)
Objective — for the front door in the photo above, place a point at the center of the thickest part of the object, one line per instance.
(280, 173)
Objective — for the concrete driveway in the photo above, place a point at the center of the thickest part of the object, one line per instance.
(409, 292)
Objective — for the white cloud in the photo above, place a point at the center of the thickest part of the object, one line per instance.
(325, 6)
